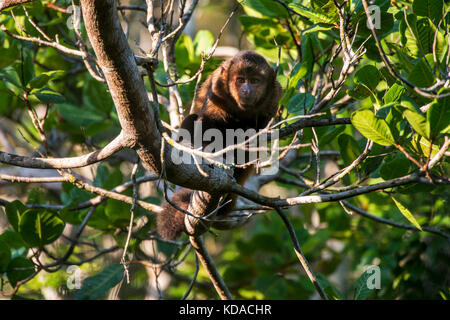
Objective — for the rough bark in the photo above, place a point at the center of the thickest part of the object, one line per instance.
(127, 88)
(4, 4)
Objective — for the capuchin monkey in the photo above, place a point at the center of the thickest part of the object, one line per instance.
(242, 93)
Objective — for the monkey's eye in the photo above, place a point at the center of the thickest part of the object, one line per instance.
(240, 80)
(254, 80)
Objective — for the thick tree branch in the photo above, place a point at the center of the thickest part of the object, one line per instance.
(65, 163)
(276, 202)
(4, 4)
(308, 123)
(127, 88)
(208, 264)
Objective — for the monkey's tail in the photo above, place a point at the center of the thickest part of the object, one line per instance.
(170, 222)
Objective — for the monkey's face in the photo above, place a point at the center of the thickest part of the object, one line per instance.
(247, 86)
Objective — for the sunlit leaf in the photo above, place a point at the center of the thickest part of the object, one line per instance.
(406, 213)
(372, 127)
(203, 42)
(418, 122)
(47, 95)
(432, 9)
(40, 227)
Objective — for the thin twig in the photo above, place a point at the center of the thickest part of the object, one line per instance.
(210, 267)
(300, 254)
(130, 227)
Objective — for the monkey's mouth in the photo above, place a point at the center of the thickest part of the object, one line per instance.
(245, 103)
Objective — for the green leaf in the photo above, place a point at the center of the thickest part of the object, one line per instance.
(73, 195)
(362, 290)
(394, 119)
(249, 22)
(96, 96)
(327, 7)
(19, 269)
(403, 57)
(425, 35)
(331, 135)
(12, 239)
(386, 24)
(47, 95)
(27, 66)
(359, 92)
(298, 72)
(42, 79)
(13, 211)
(421, 75)
(394, 93)
(317, 27)
(417, 36)
(270, 285)
(99, 220)
(81, 117)
(314, 16)
(107, 180)
(424, 145)
(418, 122)
(118, 213)
(101, 176)
(308, 54)
(10, 75)
(72, 216)
(349, 148)
(395, 168)
(39, 81)
(203, 42)
(5, 256)
(9, 54)
(369, 76)
(97, 286)
(300, 101)
(406, 213)
(39, 228)
(331, 291)
(184, 51)
(438, 117)
(429, 8)
(99, 127)
(268, 8)
(372, 128)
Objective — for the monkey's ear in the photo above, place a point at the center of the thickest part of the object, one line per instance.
(225, 69)
(220, 78)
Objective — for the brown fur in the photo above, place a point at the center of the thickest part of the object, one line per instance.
(223, 103)
(168, 223)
